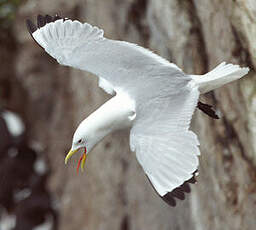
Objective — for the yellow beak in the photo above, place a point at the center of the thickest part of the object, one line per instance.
(69, 155)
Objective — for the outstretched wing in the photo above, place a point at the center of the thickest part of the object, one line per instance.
(165, 148)
(119, 65)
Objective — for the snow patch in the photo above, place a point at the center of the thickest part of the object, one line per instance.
(47, 225)
(40, 166)
(7, 222)
(13, 123)
(22, 194)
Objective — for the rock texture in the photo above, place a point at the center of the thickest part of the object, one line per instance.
(113, 193)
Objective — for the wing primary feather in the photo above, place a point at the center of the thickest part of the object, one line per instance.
(56, 17)
(207, 109)
(31, 26)
(40, 21)
(169, 200)
(185, 187)
(48, 18)
(192, 180)
(178, 192)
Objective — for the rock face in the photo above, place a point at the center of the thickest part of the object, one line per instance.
(113, 193)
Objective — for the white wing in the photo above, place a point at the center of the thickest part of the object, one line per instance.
(119, 65)
(165, 148)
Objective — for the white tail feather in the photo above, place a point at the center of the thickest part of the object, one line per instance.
(219, 76)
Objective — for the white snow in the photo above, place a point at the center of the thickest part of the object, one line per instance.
(7, 222)
(40, 166)
(47, 225)
(22, 194)
(14, 123)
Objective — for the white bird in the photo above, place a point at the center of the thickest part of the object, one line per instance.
(153, 98)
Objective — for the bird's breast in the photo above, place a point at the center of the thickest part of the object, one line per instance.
(117, 113)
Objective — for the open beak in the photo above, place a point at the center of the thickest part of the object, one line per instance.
(81, 160)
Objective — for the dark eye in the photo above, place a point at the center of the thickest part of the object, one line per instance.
(80, 141)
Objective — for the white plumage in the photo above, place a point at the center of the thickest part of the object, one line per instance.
(154, 98)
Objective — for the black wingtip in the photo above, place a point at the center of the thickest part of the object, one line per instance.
(192, 180)
(169, 200)
(31, 26)
(207, 109)
(48, 18)
(185, 187)
(56, 17)
(40, 21)
(179, 192)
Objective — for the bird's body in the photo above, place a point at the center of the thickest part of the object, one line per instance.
(153, 98)
(115, 114)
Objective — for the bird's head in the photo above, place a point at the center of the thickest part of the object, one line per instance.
(81, 140)
(93, 129)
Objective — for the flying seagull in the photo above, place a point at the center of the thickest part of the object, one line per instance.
(152, 97)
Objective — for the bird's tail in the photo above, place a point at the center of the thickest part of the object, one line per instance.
(219, 76)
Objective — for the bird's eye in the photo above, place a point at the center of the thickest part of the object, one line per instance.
(80, 141)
